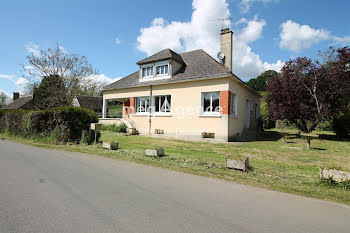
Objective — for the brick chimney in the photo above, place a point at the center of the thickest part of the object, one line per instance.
(226, 47)
(15, 95)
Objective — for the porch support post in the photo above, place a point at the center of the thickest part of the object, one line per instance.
(150, 111)
(104, 108)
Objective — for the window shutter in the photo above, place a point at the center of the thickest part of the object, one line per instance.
(225, 98)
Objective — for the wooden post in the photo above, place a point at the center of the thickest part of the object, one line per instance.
(308, 141)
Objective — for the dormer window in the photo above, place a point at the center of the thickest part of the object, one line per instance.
(162, 70)
(147, 72)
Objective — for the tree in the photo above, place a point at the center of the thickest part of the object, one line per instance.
(51, 93)
(308, 92)
(74, 70)
(4, 99)
(261, 81)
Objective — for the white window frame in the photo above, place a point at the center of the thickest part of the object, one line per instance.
(209, 113)
(137, 104)
(147, 67)
(233, 100)
(160, 66)
(161, 112)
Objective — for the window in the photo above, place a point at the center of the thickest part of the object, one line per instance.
(147, 72)
(211, 102)
(142, 104)
(233, 107)
(162, 70)
(162, 103)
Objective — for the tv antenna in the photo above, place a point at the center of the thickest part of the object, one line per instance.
(222, 20)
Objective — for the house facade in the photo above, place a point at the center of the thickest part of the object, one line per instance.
(93, 103)
(20, 102)
(188, 95)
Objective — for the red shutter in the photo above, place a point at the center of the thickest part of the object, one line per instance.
(225, 99)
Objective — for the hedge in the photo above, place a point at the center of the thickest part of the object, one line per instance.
(65, 123)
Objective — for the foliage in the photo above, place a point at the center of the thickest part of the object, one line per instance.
(308, 92)
(264, 112)
(261, 81)
(51, 93)
(65, 123)
(4, 99)
(121, 128)
(341, 125)
(76, 72)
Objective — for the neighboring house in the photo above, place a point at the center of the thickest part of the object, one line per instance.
(90, 102)
(187, 95)
(23, 103)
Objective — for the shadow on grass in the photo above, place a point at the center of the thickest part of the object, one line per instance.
(269, 136)
(315, 148)
(332, 138)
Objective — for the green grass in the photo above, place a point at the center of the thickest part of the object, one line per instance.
(287, 167)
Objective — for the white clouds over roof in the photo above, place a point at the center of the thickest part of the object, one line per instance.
(203, 32)
(296, 37)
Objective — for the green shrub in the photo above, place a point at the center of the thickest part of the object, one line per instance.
(65, 123)
(121, 128)
(264, 112)
(341, 125)
(326, 125)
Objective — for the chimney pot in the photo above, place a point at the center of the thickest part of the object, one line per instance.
(226, 46)
(15, 95)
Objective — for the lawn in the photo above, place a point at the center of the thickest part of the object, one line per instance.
(283, 166)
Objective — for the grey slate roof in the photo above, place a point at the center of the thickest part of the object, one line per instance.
(90, 102)
(19, 103)
(162, 55)
(197, 64)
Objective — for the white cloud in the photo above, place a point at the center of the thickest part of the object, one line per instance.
(246, 4)
(296, 37)
(202, 32)
(117, 41)
(63, 50)
(252, 31)
(7, 76)
(22, 83)
(33, 48)
(102, 78)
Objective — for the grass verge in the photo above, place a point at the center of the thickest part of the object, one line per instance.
(283, 166)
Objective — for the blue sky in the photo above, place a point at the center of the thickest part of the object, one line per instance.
(114, 35)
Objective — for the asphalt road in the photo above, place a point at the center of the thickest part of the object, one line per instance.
(53, 191)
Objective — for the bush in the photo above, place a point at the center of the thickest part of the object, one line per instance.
(264, 112)
(341, 125)
(65, 123)
(121, 128)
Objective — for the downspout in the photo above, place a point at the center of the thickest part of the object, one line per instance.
(150, 110)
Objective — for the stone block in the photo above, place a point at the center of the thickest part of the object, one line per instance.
(335, 175)
(155, 152)
(242, 165)
(110, 145)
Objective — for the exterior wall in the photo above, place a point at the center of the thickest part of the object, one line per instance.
(236, 124)
(185, 120)
(75, 102)
(175, 67)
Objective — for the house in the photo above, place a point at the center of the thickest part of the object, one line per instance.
(90, 102)
(188, 95)
(26, 102)
(23, 103)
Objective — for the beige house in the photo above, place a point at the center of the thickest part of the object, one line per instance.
(188, 95)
